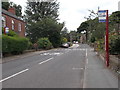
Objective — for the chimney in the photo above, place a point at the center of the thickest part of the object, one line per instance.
(12, 10)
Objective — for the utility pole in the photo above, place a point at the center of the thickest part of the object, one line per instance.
(107, 39)
(0, 43)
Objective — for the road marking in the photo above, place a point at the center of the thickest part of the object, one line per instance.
(77, 68)
(84, 79)
(46, 60)
(14, 75)
(86, 53)
(87, 60)
(55, 53)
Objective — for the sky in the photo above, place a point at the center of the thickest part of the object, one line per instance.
(72, 12)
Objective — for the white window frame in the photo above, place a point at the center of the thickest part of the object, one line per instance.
(3, 21)
(19, 27)
(13, 25)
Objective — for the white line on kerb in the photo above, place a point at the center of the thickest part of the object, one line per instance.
(14, 75)
(46, 60)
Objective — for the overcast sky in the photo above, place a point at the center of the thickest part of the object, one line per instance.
(72, 12)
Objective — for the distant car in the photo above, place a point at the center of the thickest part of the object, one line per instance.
(65, 45)
(76, 42)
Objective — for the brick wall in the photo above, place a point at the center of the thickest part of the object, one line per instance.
(16, 22)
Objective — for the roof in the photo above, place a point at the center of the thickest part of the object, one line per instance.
(11, 15)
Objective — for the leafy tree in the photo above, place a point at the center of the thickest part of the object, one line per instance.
(35, 11)
(73, 36)
(83, 26)
(45, 28)
(65, 34)
(115, 20)
(5, 5)
(41, 18)
(18, 10)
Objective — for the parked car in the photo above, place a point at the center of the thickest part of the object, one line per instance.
(65, 45)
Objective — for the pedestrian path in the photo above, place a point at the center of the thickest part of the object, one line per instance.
(97, 75)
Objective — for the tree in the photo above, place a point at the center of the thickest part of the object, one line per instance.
(35, 11)
(115, 20)
(65, 33)
(5, 5)
(83, 26)
(73, 36)
(45, 28)
(41, 18)
(18, 10)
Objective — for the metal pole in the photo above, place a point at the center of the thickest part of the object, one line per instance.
(107, 40)
(0, 43)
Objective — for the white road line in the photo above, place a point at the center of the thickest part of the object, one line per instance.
(86, 53)
(14, 75)
(46, 60)
(87, 60)
(84, 84)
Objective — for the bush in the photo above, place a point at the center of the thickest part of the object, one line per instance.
(44, 43)
(115, 45)
(30, 45)
(14, 45)
(92, 39)
(64, 40)
(11, 33)
(99, 45)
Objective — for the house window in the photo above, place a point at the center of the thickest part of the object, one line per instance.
(13, 25)
(19, 27)
(3, 21)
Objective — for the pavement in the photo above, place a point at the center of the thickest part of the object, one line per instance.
(74, 67)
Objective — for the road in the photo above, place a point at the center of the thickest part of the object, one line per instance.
(75, 67)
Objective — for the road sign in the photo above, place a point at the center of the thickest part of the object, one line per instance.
(102, 15)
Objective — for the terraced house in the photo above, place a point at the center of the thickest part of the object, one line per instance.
(10, 20)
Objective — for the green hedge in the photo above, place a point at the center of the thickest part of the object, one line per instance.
(11, 33)
(44, 43)
(115, 45)
(14, 45)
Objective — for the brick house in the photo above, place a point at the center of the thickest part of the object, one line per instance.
(10, 20)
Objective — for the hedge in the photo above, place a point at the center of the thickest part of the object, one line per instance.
(115, 45)
(14, 45)
(44, 43)
(11, 33)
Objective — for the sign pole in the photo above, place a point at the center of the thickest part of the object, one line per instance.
(107, 39)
